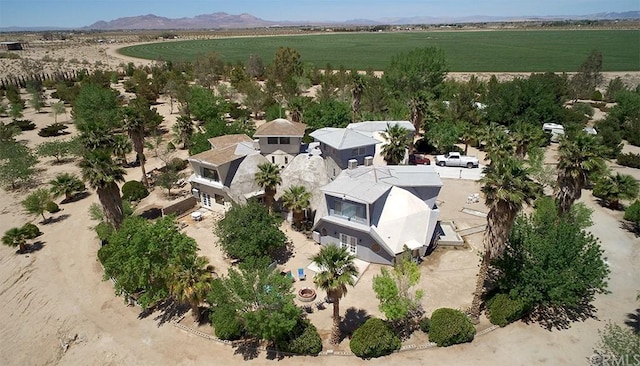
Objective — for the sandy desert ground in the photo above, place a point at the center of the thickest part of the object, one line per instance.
(57, 295)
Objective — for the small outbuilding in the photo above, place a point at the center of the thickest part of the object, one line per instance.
(12, 46)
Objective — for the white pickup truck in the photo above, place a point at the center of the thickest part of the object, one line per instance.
(455, 159)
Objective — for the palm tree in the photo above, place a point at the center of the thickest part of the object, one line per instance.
(103, 175)
(498, 144)
(15, 237)
(183, 129)
(268, 177)
(613, 188)
(525, 134)
(398, 140)
(580, 158)
(297, 199)
(121, 147)
(337, 270)
(66, 185)
(191, 283)
(507, 188)
(134, 124)
(57, 109)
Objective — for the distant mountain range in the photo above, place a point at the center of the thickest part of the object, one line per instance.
(224, 20)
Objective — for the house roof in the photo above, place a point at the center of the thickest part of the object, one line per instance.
(371, 127)
(353, 189)
(397, 175)
(342, 138)
(226, 140)
(404, 221)
(281, 127)
(226, 149)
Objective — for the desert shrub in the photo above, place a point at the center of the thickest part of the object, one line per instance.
(171, 146)
(450, 326)
(9, 55)
(31, 231)
(226, 324)
(51, 207)
(584, 108)
(629, 159)
(303, 339)
(374, 338)
(425, 324)
(596, 95)
(134, 191)
(632, 213)
(600, 105)
(54, 129)
(23, 124)
(177, 164)
(104, 231)
(504, 310)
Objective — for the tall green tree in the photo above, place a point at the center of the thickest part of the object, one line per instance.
(357, 84)
(580, 159)
(268, 177)
(507, 188)
(589, 76)
(37, 201)
(397, 141)
(297, 199)
(137, 260)
(58, 149)
(67, 185)
(394, 288)
(96, 115)
(57, 109)
(103, 175)
(337, 271)
(137, 118)
(416, 77)
(613, 188)
(236, 232)
(551, 262)
(261, 298)
(190, 283)
(17, 164)
(284, 69)
(183, 129)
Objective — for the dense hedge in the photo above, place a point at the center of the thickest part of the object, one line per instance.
(177, 164)
(425, 324)
(31, 231)
(303, 339)
(134, 191)
(374, 338)
(504, 310)
(450, 326)
(632, 213)
(226, 324)
(630, 159)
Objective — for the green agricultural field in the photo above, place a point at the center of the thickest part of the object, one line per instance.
(488, 51)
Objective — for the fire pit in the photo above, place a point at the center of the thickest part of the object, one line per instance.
(306, 294)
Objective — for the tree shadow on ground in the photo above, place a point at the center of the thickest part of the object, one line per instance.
(272, 354)
(76, 197)
(167, 310)
(630, 227)
(353, 318)
(31, 248)
(248, 348)
(152, 213)
(53, 220)
(282, 254)
(561, 317)
(633, 321)
(62, 161)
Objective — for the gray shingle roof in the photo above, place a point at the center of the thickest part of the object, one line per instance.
(342, 138)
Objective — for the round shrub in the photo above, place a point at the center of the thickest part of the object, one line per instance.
(51, 207)
(225, 323)
(177, 164)
(425, 324)
(504, 310)
(305, 340)
(596, 95)
(134, 191)
(374, 338)
(632, 213)
(31, 231)
(450, 326)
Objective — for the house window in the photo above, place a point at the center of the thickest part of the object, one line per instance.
(210, 174)
(206, 200)
(349, 242)
(286, 160)
(358, 151)
(350, 211)
(272, 140)
(273, 159)
(285, 140)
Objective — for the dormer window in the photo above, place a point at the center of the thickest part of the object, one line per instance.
(210, 174)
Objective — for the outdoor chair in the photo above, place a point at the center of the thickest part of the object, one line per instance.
(301, 275)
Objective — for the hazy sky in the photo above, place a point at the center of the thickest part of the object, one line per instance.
(78, 13)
